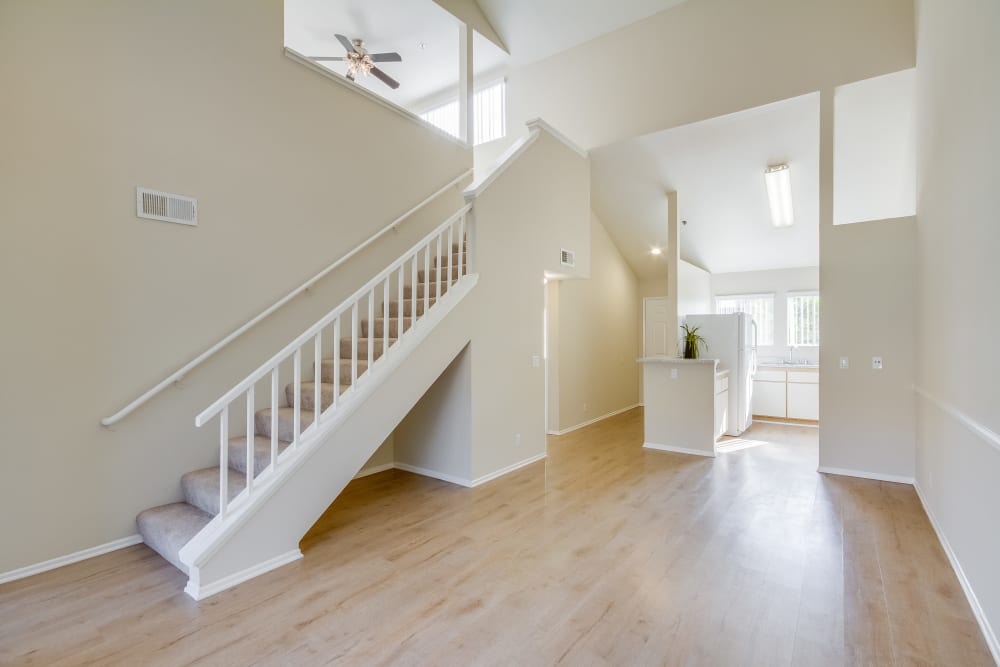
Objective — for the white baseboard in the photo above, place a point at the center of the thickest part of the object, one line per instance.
(977, 609)
(595, 420)
(678, 450)
(444, 477)
(898, 479)
(199, 592)
(509, 469)
(75, 557)
(781, 423)
(364, 472)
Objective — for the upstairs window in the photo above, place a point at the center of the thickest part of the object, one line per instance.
(803, 319)
(489, 114)
(759, 306)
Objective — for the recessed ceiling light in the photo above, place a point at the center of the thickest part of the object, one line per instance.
(656, 251)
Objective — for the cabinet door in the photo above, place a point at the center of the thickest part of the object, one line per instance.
(803, 401)
(769, 399)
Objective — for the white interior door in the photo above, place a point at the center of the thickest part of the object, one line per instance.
(654, 327)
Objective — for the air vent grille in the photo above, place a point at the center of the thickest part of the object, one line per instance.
(567, 257)
(156, 205)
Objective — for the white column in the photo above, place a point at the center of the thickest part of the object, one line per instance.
(673, 253)
(466, 121)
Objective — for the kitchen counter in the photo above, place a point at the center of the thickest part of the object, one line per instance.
(786, 367)
(682, 399)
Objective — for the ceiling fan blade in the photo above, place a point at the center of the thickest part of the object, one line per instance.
(346, 43)
(385, 78)
(386, 58)
(324, 58)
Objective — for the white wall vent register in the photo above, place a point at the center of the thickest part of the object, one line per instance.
(164, 206)
(567, 257)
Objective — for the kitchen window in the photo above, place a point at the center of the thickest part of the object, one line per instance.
(489, 114)
(759, 306)
(803, 319)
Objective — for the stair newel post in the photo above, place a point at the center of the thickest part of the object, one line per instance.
(438, 270)
(336, 360)
(317, 378)
(385, 314)
(250, 456)
(354, 344)
(371, 328)
(223, 461)
(427, 280)
(297, 396)
(274, 419)
(399, 288)
(451, 253)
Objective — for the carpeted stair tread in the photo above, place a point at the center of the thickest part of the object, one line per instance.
(262, 422)
(308, 394)
(454, 259)
(408, 307)
(326, 368)
(201, 488)
(432, 275)
(431, 290)
(345, 348)
(167, 528)
(380, 327)
(261, 453)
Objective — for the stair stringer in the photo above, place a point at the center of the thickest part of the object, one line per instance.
(264, 534)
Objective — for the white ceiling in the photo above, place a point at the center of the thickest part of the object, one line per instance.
(536, 29)
(717, 168)
(427, 72)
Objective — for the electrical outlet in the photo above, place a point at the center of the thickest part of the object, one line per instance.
(877, 363)
(673, 373)
(845, 363)
(536, 361)
(517, 439)
(584, 408)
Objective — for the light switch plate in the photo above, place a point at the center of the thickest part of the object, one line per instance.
(536, 361)
(673, 373)
(877, 363)
(845, 363)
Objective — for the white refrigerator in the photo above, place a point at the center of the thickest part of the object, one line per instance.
(732, 339)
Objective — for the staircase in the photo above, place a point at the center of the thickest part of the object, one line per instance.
(366, 334)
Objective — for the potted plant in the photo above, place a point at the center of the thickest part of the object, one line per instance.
(692, 342)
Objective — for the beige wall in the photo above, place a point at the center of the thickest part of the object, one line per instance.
(597, 333)
(868, 278)
(711, 57)
(958, 241)
(539, 205)
(291, 170)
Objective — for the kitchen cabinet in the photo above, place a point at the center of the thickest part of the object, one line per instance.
(791, 393)
(803, 395)
(769, 399)
(721, 405)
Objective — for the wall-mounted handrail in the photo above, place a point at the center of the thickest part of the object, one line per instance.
(184, 370)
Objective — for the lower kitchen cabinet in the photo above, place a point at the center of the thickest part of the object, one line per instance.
(768, 399)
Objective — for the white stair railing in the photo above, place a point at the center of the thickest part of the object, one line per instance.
(391, 280)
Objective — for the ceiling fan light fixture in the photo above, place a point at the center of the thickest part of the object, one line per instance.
(778, 180)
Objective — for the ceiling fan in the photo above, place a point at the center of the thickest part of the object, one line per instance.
(359, 61)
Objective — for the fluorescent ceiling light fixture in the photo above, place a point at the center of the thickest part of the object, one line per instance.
(655, 250)
(779, 194)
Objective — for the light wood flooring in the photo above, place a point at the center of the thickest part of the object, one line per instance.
(605, 554)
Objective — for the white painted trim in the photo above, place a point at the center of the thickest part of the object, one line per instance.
(991, 437)
(977, 609)
(426, 472)
(677, 450)
(198, 592)
(777, 423)
(69, 559)
(365, 472)
(508, 469)
(595, 419)
(509, 156)
(305, 61)
(538, 123)
(898, 479)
